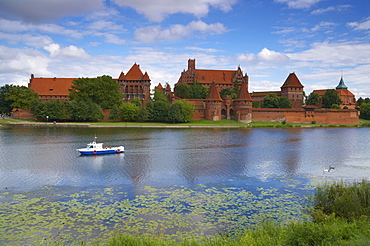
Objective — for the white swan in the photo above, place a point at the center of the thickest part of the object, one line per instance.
(328, 170)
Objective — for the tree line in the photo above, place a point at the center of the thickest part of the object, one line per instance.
(89, 97)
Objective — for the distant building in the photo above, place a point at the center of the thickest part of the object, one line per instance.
(51, 88)
(292, 89)
(222, 78)
(347, 97)
(134, 84)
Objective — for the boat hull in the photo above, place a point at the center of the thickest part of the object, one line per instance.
(102, 151)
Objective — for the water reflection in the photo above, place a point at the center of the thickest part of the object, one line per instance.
(34, 157)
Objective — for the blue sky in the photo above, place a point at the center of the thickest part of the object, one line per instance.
(317, 39)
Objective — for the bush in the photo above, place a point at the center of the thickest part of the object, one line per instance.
(348, 201)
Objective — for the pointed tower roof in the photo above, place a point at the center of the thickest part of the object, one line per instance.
(342, 85)
(159, 86)
(146, 76)
(121, 76)
(213, 93)
(243, 94)
(292, 81)
(134, 73)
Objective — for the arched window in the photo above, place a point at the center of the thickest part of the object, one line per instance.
(232, 114)
(223, 114)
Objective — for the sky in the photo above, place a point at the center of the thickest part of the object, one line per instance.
(318, 40)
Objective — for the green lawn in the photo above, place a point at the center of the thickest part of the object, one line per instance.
(193, 123)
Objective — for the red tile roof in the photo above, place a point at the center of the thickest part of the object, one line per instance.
(213, 93)
(292, 81)
(243, 94)
(219, 76)
(51, 86)
(135, 73)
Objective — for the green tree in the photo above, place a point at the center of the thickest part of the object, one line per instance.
(5, 107)
(365, 111)
(86, 111)
(159, 96)
(129, 111)
(284, 102)
(331, 97)
(183, 91)
(181, 111)
(160, 111)
(103, 91)
(199, 91)
(270, 101)
(20, 96)
(114, 113)
(228, 92)
(360, 101)
(313, 98)
(136, 101)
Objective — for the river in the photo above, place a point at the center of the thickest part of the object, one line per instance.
(190, 181)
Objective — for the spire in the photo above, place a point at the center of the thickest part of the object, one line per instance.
(213, 93)
(342, 85)
(121, 76)
(243, 94)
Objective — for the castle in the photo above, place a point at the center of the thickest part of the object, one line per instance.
(133, 84)
(136, 84)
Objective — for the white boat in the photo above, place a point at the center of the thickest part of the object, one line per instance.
(95, 148)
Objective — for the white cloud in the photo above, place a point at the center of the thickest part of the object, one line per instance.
(105, 26)
(41, 10)
(37, 41)
(333, 55)
(175, 32)
(19, 26)
(265, 55)
(56, 51)
(299, 4)
(323, 25)
(338, 8)
(22, 62)
(365, 25)
(158, 10)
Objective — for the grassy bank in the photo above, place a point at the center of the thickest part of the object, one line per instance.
(193, 123)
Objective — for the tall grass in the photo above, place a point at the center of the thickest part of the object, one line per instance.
(348, 201)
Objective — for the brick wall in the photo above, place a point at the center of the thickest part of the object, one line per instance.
(321, 116)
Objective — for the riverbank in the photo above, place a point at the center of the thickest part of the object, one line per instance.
(191, 124)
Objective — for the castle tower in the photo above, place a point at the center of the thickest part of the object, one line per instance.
(135, 84)
(293, 90)
(213, 104)
(191, 64)
(243, 105)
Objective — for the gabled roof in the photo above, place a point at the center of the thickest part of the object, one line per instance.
(121, 76)
(146, 76)
(292, 81)
(344, 92)
(213, 93)
(341, 92)
(219, 76)
(243, 94)
(134, 73)
(159, 86)
(51, 86)
(341, 85)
